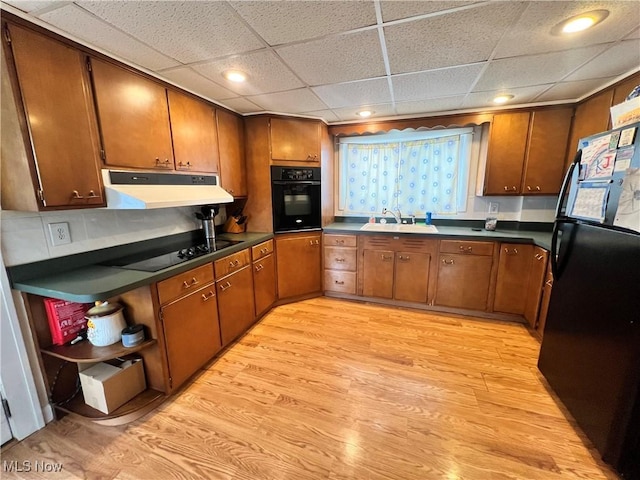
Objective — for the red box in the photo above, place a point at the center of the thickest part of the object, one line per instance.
(66, 319)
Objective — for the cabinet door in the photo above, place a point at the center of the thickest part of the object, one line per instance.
(56, 95)
(412, 276)
(514, 268)
(299, 261)
(544, 303)
(193, 131)
(505, 158)
(233, 174)
(463, 281)
(191, 333)
(134, 118)
(536, 284)
(295, 140)
(235, 304)
(591, 117)
(377, 274)
(546, 153)
(264, 283)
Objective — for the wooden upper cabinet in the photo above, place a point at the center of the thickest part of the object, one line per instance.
(233, 173)
(622, 90)
(591, 117)
(134, 118)
(56, 96)
(546, 149)
(505, 157)
(295, 140)
(193, 130)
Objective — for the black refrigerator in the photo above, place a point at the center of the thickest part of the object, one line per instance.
(590, 352)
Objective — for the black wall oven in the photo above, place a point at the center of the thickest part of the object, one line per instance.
(295, 195)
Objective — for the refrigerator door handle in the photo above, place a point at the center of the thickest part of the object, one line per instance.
(567, 182)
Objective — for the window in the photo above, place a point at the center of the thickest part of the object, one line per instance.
(415, 172)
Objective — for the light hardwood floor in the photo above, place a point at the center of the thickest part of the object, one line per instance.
(330, 389)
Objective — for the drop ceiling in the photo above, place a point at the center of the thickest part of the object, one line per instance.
(330, 59)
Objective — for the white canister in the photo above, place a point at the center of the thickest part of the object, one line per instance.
(105, 323)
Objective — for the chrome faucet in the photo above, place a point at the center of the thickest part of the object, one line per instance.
(398, 216)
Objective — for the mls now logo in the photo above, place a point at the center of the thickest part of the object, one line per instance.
(29, 466)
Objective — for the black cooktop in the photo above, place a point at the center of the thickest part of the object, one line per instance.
(161, 258)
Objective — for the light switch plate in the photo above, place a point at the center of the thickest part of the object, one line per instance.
(494, 208)
(60, 234)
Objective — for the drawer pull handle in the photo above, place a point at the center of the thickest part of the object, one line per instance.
(226, 286)
(162, 164)
(340, 260)
(385, 257)
(537, 189)
(76, 194)
(264, 250)
(340, 242)
(539, 257)
(465, 249)
(184, 165)
(447, 261)
(339, 282)
(92, 194)
(509, 252)
(208, 296)
(549, 283)
(314, 242)
(402, 257)
(234, 263)
(186, 284)
(259, 267)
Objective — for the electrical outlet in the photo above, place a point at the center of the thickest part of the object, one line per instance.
(60, 234)
(494, 208)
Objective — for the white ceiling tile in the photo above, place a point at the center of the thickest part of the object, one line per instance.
(266, 73)
(355, 94)
(94, 31)
(32, 6)
(435, 83)
(429, 106)
(452, 39)
(634, 34)
(326, 115)
(336, 59)
(291, 21)
(293, 101)
(616, 60)
(379, 111)
(395, 10)
(186, 31)
(520, 96)
(535, 69)
(532, 32)
(241, 105)
(187, 78)
(572, 90)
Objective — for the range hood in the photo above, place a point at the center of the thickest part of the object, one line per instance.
(144, 190)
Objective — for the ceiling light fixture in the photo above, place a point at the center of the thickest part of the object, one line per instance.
(581, 22)
(364, 113)
(500, 99)
(235, 76)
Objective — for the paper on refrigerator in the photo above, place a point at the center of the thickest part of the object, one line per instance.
(628, 212)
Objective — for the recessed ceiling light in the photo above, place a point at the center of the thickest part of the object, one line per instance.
(235, 76)
(364, 113)
(580, 22)
(500, 99)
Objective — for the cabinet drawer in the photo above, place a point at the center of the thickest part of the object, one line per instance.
(184, 283)
(344, 282)
(340, 240)
(231, 263)
(262, 249)
(466, 247)
(339, 258)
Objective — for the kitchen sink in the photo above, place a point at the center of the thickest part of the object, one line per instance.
(399, 228)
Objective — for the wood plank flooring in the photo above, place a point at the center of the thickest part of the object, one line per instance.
(336, 390)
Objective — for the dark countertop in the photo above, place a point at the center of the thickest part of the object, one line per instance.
(539, 238)
(92, 282)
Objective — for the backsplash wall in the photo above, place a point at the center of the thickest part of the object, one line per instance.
(25, 235)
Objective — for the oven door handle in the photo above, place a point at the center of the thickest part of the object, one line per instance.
(294, 182)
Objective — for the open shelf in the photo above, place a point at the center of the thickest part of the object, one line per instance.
(84, 351)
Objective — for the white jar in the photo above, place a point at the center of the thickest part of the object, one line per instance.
(105, 323)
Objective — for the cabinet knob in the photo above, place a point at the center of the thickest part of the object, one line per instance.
(511, 252)
(76, 194)
(208, 296)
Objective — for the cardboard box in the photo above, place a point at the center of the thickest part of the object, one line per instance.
(625, 113)
(106, 387)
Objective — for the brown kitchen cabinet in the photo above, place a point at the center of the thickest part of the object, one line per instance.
(264, 276)
(55, 161)
(191, 333)
(592, 116)
(536, 285)
(233, 173)
(133, 117)
(411, 282)
(193, 131)
(377, 273)
(235, 303)
(512, 282)
(544, 303)
(464, 274)
(340, 263)
(299, 264)
(295, 139)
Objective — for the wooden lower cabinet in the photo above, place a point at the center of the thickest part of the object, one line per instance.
(299, 264)
(412, 276)
(264, 283)
(512, 284)
(191, 333)
(536, 285)
(235, 304)
(377, 274)
(340, 263)
(463, 281)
